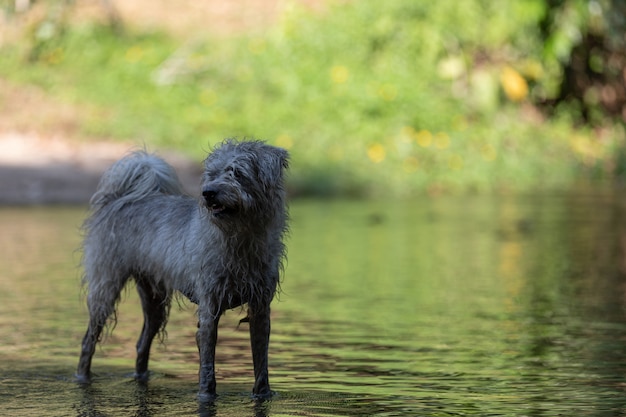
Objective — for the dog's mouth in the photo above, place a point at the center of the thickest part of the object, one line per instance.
(219, 210)
(214, 204)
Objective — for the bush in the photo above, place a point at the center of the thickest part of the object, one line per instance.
(370, 97)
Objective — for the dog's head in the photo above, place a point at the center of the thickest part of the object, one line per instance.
(244, 179)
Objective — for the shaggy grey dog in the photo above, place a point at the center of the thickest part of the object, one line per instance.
(221, 252)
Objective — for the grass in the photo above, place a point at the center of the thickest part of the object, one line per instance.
(370, 98)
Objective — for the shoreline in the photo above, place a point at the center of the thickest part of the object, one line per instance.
(36, 170)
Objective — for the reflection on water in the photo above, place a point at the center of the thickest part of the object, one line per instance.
(509, 305)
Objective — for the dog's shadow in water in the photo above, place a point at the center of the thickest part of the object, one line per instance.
(143, 400)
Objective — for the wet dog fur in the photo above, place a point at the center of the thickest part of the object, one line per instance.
(222, 250)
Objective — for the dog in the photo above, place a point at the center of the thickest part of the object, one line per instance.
(221, 251)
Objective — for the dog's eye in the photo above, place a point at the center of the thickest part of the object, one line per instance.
(235, 172)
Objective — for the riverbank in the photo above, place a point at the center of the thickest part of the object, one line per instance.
(54, 170)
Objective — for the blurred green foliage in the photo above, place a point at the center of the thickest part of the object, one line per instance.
(585, 52)
(395, 97)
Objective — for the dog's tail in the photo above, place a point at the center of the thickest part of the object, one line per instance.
(134, 177)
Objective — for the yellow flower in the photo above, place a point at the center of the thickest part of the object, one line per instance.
(533, 69)
(424, 138)
(339, 74)
(460, 123)
(133, 54)
(208, 97)
(407, 133)
(388, 92)
(586, 147)
(284, 141)
(514, 85)
(376, 153)
(488, 152)
(455, 162)
(442, 140)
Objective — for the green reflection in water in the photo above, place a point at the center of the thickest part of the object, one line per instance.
(449, 306)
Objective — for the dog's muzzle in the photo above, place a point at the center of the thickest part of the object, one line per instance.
(213, 203)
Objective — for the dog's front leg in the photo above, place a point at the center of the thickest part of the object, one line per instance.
(260, 339)
(206, 337)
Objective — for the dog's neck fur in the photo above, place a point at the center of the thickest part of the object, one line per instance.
(251, 278)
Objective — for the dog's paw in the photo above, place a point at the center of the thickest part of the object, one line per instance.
(263, 395)
(142, 376)
(82, 379)
(206, 397)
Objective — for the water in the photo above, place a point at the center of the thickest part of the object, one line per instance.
(510, 305)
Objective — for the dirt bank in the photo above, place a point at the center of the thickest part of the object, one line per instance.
(52, 170)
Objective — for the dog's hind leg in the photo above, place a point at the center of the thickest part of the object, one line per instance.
(83, 373)
(101, 304)
(155, 303)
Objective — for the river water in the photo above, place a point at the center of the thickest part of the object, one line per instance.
(508, 305)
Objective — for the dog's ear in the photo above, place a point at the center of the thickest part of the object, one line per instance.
(276, 161)
(277, 157)
(284, 158)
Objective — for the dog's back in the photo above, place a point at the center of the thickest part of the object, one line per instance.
(138, 206)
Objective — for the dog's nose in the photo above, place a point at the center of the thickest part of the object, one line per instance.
(209, 195)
